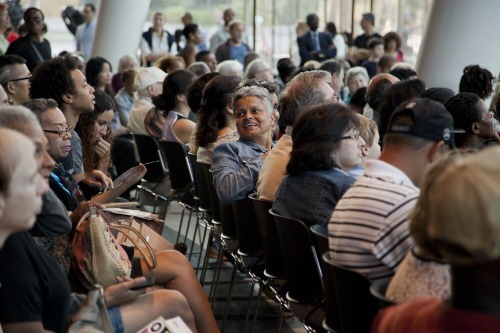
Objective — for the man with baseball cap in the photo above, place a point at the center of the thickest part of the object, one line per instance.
(148, 83)
(464, 226)
(369, 230)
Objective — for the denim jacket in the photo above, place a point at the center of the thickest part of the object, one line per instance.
(235, 167)
(312, 195)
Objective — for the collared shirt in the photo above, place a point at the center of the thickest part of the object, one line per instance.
(159, 44)
(124, 102)
(274, 168)
(138, 114)
(85, 38)
(235, 167)
(369, 228)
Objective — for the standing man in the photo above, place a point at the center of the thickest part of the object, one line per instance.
(223, 33)
(85, 32)
(156, 42)
(234, 48)
(314, 45)
(361, 51)
(32, 47)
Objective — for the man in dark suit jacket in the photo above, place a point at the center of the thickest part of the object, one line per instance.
(314, 45)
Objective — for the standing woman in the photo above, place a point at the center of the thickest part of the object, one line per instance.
(338, 41)
(156, 42)
(392, 45)
(99, 72)
(193, 37)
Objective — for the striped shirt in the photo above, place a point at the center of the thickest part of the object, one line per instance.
(369, 228)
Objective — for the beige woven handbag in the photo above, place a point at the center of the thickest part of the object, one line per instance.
(99, 258)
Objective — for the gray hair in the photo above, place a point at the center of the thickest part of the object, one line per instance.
(255, 66)
(255, 91)
(230, 67)
(353, 71)
(38, 106)
(124, 62)
(302, 91)
(18, 118)
(199, 68)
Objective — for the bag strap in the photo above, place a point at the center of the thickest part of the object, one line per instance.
(121, 227)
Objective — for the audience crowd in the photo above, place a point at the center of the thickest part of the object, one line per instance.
(399, 175)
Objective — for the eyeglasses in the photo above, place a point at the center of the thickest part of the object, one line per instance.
(61, 133)
(354, 136)
(20, 79)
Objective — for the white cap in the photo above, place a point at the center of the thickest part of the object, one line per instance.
(148, 76)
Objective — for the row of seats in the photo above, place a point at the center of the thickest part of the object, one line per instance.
(280, 254)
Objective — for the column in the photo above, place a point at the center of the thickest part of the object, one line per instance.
(458, 33)
(119, 28)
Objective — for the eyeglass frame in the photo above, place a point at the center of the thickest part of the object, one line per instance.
(354, 136)
(20, 79)
(60, 133)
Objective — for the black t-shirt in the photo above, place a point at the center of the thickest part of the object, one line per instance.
(33, 286)
(33, 52)
(362, 40)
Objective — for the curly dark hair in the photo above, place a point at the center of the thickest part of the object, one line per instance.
(212, 114)
(176, 83)
(93, 68)
(464, 109)
(52, 79)
(316, 135)
(85, 128)
(478, 81)
(392, 35)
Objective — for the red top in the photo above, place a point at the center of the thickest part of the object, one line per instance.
(431, 315)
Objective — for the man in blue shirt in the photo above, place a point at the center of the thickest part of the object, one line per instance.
(85, 32)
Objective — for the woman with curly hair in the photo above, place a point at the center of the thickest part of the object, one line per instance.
(216, 122)
(478, 81)
(95, 132)
(392, 45)
(99, 73)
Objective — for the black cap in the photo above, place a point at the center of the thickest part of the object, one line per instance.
(430, 120)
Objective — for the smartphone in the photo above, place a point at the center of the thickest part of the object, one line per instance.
(146, 283)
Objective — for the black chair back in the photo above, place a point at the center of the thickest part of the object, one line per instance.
(302, 270)
(247, 227)
(200, 184)
(275, 266)
(214, 200)
(378, 290)
(181, 176)
(357, 306)
(321, 236)
(148, 151)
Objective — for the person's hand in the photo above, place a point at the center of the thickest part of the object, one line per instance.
(82, 208)
(103, 149)
(100, 180)
(120, 293)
